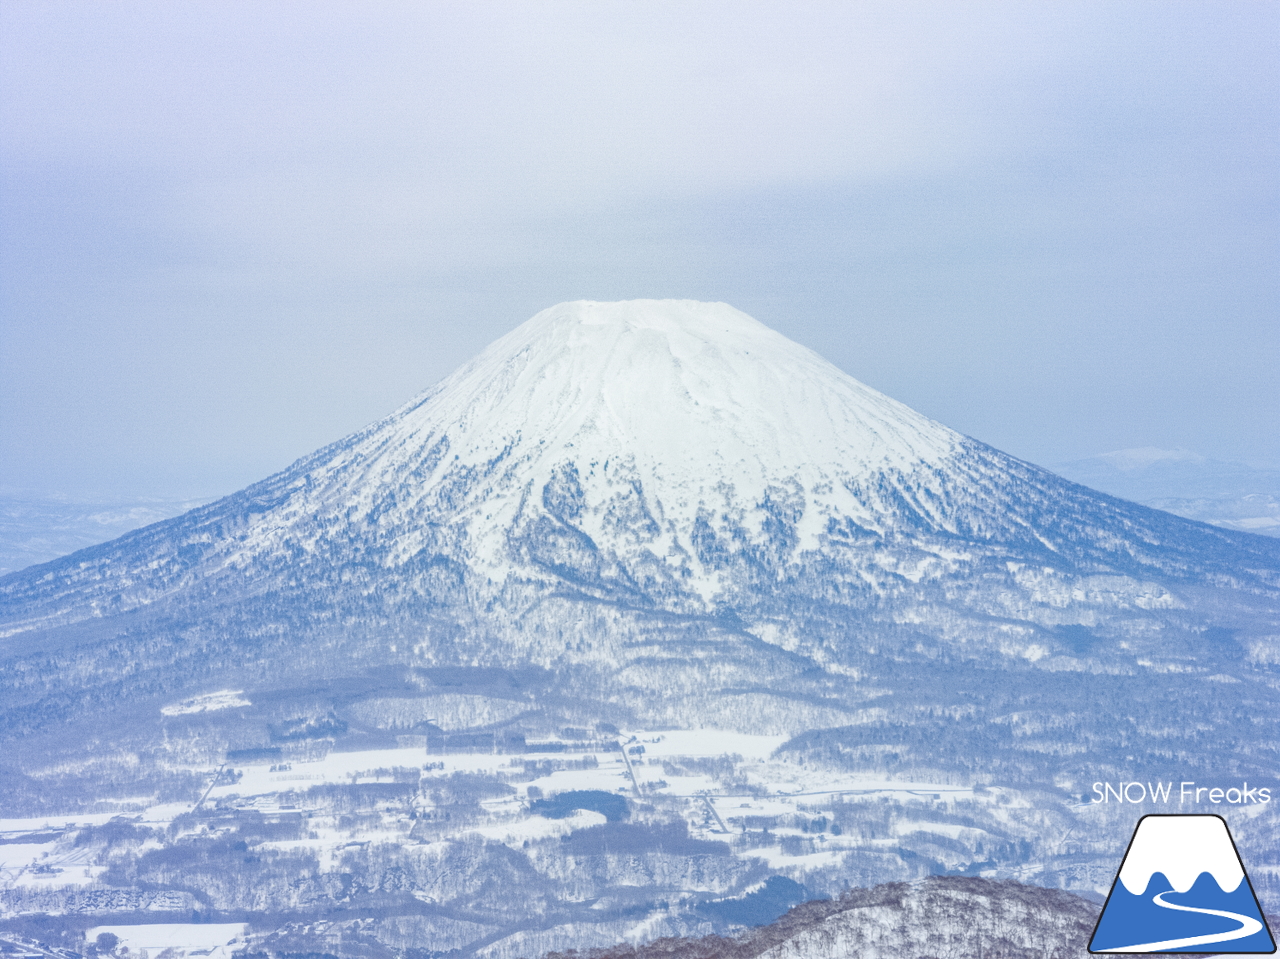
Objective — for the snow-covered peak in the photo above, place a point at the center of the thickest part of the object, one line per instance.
(646, 415)
(690, 390)
(1181, 847)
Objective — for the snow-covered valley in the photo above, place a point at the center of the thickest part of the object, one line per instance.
(403, 835)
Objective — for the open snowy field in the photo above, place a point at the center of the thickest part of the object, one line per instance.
(722, 786)
(211, 940)
(623, 835)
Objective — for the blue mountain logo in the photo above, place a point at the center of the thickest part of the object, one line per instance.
(1181, 886)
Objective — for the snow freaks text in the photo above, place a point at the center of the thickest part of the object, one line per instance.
(1186, 792)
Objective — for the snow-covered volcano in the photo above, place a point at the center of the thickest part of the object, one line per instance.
(681, 407)
(638, 424)
(693, 393)
(674, 496)
(670, 454)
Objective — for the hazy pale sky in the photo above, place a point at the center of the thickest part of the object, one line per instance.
(233, 232)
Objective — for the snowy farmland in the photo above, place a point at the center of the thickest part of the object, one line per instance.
(624, 836)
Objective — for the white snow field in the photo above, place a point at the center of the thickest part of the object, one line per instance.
(212, 940)
(207, 703)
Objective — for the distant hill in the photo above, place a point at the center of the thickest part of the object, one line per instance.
(1230, 495)
(36, 527)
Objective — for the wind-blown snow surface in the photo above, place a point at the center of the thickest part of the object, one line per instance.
(649, 516)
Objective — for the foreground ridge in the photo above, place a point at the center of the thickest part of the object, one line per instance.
(940, 916)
